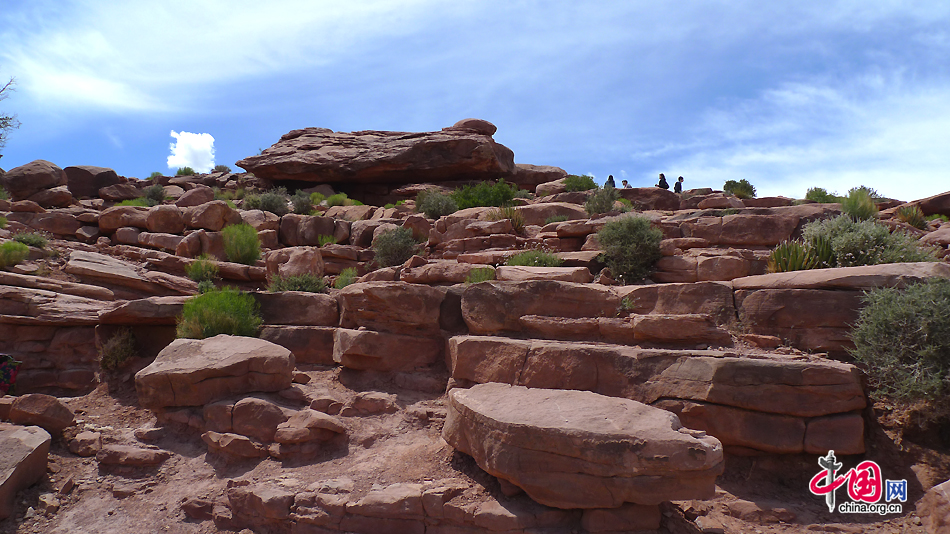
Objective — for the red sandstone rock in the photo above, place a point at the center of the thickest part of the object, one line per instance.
(212, 216)
(294, 261)
(26, 180)
(117, 217)
(23, 453)
(397, 307)
(195, 197)
(131, 456)
(164, 219)
(86, 180)
(380, 351)
(41, 410)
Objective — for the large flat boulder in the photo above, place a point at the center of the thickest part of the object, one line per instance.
(26, 180)
(322, 155)
(19, 305)
(898, 275)
(195, 372)
(23, 453)
(577, 449)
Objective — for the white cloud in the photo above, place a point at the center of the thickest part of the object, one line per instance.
(192, 150)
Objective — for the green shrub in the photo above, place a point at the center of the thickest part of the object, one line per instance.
(631, 247)
(555, 218)
(3, 222)
(601, 201)
(938, 216)
(346, 277)
(859, 204)
(482, 274)
(222, 311)
(205, 286)
(119, 348)
(155, 175)
(155, 194)
(535, 258)
(241, 244)
(338, 199)
(308, 282)
(912, 215)
(316, 198)
(394, 247)
(31, 239)
(435, 204)
(352, 202)
(3, 194)
(228, 194)
(185, 171)
(903, 340)
(205, 268)
(484, 194)
(275, 201)
(252, 202)
(865, 242)
(792, 256)
(12, 253)
(324, 239)
(819, 195)
(574, 182)
(523, 193)
(140, 201)
(512, 214)
(741, 188)
(301, 203)
(389, 206)
(222, 168)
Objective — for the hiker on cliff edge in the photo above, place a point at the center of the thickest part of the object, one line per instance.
(610, 182)
(662, 183)
(678, 186)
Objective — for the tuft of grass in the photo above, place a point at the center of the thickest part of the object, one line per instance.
(483, 274)
(389, 206)
(324, 239)
(394, 247)
(316, 198)
(222, 311)
(902, 338)
(241, 244)
(185, 171)
(308, 282)
(203, 269)
(346, 277)
(555, 218)
(140, 201)
(252, 202)
(435, 204)
(119, 349)
(338, 199)
(535, 258)
(574, 182)
(859, 204)
(512, 214)
(912, 215)
(484, 194)
(12, 253)
(792, 256)
(631, 247)
(740, 189)
(31, 239)
(601, 201)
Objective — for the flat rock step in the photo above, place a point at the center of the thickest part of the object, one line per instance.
(576, 449)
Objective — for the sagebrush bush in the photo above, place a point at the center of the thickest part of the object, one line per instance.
(601, 201)
(859, 204)
(485, 194)
(185, 171)
(204, 268)
(275, 201)
(316, 198)
(12, 253)
(631, 247)
(511, 213)
(574, 182)
(252, 202)
(155, 194)
(482, 274)
(301, 203)
(535, 258)
(903, 340)
(435, 204)
(222, 311)
(119, 348)
(308, 282)
(222, 168)
(821, 196)
(205, 286)
(864, 242)
(241, 244)
(31, 239)
(394, 247)
(912, 215)
(346, 277)
(740, 189)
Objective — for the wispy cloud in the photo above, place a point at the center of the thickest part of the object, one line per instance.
(192, 150)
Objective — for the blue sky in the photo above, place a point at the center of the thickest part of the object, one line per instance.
(788, 95)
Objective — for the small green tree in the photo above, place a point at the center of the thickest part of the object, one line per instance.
(631, 247)
(741, 188)
(222, 168)
(185, 171)
(241, 244)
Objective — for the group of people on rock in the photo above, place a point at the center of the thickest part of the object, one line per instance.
(662, 184)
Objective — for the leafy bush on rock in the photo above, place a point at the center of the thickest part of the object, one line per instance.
(241, 244)
(739, 188)
(223, 311)
(631, 247)
(866, 242)
(435, 204)
(394, 247)
(535, 258)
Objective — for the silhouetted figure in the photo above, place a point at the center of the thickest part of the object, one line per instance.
(662, 183)
(678, 186)
(610, 182)
(626, 184)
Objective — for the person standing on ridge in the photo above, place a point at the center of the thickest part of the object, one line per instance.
(662, 183)
(626, 184)
(678, 186)
(610, 182)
